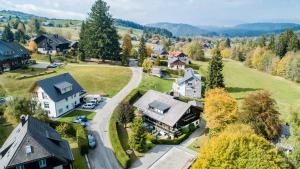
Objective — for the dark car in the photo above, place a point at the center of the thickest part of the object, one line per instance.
(92, 141)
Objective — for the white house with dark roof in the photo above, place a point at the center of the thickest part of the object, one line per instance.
(51, 44)
(58, 95)
(165, 113)
(189, 86)
(34, 144)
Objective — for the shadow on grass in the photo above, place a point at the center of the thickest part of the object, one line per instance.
(124, 139)
(240, 89)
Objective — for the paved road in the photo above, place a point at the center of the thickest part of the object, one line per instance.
(103, 157)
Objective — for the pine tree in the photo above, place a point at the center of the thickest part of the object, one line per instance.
(8, 35)
(281, 45)
(126, 49)
(216, 79)
(20, 36)
(227, 43)
(101, 34)
(142, 51)
(262, 41)
(82, 42)
(271, 45)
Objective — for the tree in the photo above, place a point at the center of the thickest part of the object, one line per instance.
(149, 50)
(100, 35)
(126, 49)
(147, 65)
(281, 45)
(226, 53)
(227, 43)
(294, 121)
(20, 36)
(125, 113)
(32, 46)
(21, 27)
(82, 47)
(293, 41)
(195, 50)
(137, 139)
(271, 45)
(215, 76)
(157, 61)
(142, 52)
(35, 27)
(7, 34)
(262, 41)
(259, 111)
(239, 147)
(40, 114)
(220, 109)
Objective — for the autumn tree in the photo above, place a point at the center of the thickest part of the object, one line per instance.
(21, 27)
(195, 50)
(262, 41)
(239, 147)
(35, 26)
(149, 50)
(125, 113)
(215, 75)
(226, 53)
(259, 111)
(147, 65)
(32, 46)
(126, 49)
(220, 109)
(157, 61)
(137, 139)
(142, 51)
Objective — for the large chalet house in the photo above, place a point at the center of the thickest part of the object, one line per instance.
(167, 114)
(51, 44)
(177, 60)
(12, 56)
(189, 85)
(34, 144)
(58, 95)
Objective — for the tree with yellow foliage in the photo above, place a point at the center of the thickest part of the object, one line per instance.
(226, 53)
(239, 147)
(32, 46)
(147, 65)
(149, 50)
(220, 109)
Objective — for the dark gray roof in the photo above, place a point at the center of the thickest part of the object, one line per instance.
(12, 50)
(159, 105)
(49, 86)
(189, 75)
(174, 59)
(43, 140)
(56, 39)
(172, 116)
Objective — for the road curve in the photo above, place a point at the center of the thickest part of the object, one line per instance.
(103, 157)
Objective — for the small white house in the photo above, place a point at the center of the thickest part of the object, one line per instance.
(189, 85)
(58, 95)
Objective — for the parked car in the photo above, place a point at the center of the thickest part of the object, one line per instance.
(93, 99)
(92, 141)
(81, 119)
(89, 106)
(2, 100)
(52, 66)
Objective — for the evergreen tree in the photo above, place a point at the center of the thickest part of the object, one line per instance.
(101, 34)
(20, 36)
(142, 51)
(82, 42)
(271, 45)
(227, 43)
(126, 49)
(21, 27)
(35, 26)
(7, 35)
(215, 78)
(137, 140)
(262, 41)
(293, 42)
(281, 45)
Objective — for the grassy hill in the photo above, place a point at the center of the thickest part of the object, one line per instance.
(241, 81)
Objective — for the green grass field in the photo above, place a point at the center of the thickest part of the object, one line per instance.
(71, 116)
(155, 83)
(95, 79)
(5, 130)
(241, 81)
(70, 33)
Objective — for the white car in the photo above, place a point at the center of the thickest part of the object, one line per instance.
(89, 106)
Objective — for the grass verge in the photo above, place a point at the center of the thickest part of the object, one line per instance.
(71, 116)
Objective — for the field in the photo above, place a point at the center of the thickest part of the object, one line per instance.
(71, 116)
(155, 83)
(95, 79)
(241, 81)
(70, 33)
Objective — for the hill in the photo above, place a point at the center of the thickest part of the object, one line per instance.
(243, 30)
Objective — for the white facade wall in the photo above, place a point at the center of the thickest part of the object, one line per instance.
(56, 109)
(190, 88)
(44, 51)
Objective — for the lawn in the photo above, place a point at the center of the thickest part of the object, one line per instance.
(69, 33)
(79, 160)
(96, 79)
(71, 116)
(155, 83)
(5, 130)
(241, 81)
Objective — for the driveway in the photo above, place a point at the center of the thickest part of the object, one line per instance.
(103, 157)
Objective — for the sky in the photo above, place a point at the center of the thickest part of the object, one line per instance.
(195, 12)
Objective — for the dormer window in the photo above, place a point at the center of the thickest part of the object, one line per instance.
(42, 163)
(159, 107)
(64, 87)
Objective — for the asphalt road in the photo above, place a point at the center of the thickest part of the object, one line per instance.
(103, 157)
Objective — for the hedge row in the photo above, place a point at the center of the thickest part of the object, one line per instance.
(82, 139)
(134, 95)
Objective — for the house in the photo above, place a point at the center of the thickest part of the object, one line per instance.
(156, 71)
(74, 45)
(133, 62)
(159, 50)
(58, 95)
(164, 113)
(51, 44)
(189, 85)
(12, 56)
(34, 144)
(177, 60)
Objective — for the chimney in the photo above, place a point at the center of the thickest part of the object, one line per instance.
(23, 119)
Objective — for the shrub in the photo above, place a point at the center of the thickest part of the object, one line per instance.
(66, 130)
(82, 140)
(163, 63)
(2, 92)
(175, 141)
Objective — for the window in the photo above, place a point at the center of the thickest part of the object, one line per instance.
(67, 107)
(42, 163)
(46, 105)
(60, 111)
(20, 167)
(44, 95)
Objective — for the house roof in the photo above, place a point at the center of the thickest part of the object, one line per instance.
(32, 141)
(173, 60)
(189, 75)
(56, 39)
(176, 54)
(51, 85)
(159, 50)
(176, 108)
(12, 50)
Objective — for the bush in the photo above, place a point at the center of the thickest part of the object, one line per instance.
(134, 95)
(82, 140)
(2, 92)
(163, 63)
(175, 72)
(66, 130)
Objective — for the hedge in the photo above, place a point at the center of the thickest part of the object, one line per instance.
(175, 72)
(163, 63)
(82, 139)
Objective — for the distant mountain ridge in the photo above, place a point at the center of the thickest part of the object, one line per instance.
(242, 30)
